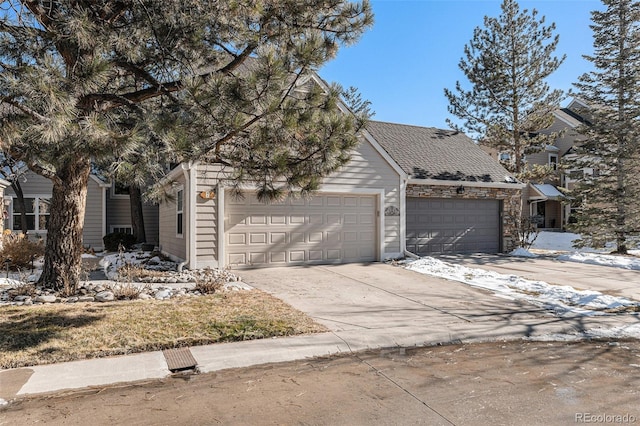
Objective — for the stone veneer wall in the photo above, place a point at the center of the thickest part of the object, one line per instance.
(511, 197)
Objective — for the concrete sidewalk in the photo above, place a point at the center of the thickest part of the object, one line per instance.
(364, 306)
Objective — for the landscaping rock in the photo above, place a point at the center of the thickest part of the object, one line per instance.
(145, 296)
(86, 299)
(105, 296)
(45, 298)
(163, 294)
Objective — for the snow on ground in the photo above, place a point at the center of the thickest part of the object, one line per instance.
(625, 262)
(560, 299)
(561, 243)
(521, 252)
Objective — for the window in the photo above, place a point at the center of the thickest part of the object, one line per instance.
(37, 211)
(504, 156)
(119, 190)
(122, 229)
(553, 161)
(576, 174)
(179, 211)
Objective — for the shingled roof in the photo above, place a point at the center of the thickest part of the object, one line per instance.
(430, 153)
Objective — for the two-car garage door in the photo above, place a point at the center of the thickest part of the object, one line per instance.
(440, 226)
(328, 228)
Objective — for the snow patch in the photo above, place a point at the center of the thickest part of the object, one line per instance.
(522, 252)
(625, 262)
(560, 299)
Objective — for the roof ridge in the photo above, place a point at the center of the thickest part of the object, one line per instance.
(410, 125)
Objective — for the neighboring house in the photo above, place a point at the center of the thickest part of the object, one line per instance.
(406, 188)
(545, 202)
(458, 199)
(106, 210)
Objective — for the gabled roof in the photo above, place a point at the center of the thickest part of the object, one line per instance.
(430, 153)
(548, 192)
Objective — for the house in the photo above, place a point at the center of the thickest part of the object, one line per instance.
(354, 217)
(546, 202)
(107, 210)
(457, 198)
(406, 188)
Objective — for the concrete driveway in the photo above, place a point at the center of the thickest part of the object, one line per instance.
(605, 279)
(380, 305)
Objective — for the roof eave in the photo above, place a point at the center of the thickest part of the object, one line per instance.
(438, 182)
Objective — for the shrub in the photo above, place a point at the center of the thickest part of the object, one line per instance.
(127, 291)
(19, 251)
(112, 241)
(209, 284)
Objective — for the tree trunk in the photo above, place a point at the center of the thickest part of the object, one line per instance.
(15, 185)
(137, 218)
(63, 253)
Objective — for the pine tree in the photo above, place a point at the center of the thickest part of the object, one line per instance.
(610, 209)
(222, 81)
(507, 63)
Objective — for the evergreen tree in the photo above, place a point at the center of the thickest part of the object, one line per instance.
(222, 81)
(610, 209)
(507, 63)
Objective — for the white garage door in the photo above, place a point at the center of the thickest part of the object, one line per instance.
(323, 229)
(438, 226)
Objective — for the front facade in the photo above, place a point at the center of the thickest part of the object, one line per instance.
(377, 207)
(354, 217)
(458, 199)
(105, 211)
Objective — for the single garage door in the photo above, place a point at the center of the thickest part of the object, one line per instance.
(439, 226)
(324, 229)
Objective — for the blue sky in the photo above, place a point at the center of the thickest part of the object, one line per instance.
(404, 62)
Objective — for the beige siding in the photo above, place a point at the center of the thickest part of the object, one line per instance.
(368, 170)
(119, 214)
(33, 186)
(169, 242)
(38, 186)
(206, 218)
(151, 228)
(93, 231)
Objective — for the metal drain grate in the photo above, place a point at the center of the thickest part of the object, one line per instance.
(179, 359)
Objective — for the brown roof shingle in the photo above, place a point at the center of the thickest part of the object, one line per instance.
(430, 153)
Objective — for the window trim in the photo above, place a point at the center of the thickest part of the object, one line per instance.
(554, 165)
(112, 228)
(36, 212)
(112, 192)
(180, 211)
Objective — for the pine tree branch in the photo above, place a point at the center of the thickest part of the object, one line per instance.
(30, 112)
(44, 172)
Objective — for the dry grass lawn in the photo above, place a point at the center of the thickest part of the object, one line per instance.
(42, 334)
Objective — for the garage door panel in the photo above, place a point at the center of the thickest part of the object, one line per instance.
(438, 226)
(237, 239)
(278, 219)
(328, 228)
(258, 238)
(296, 256)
